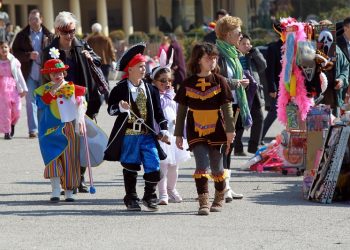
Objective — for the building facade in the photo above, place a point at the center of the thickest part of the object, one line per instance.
(132, 15)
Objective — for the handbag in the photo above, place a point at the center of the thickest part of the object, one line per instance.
(97, 75)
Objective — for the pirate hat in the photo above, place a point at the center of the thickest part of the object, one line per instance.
(129, 54)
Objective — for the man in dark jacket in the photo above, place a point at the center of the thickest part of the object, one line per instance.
(27, 48)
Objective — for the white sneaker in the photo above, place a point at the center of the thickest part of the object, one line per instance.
(228, 196)
(174, 196)
(235, 195)
(163, 199)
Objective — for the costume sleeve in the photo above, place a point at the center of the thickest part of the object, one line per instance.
(180, 96)
(21, 83)
(113, 101)
(79, 90)
(180, 120)
(228, 117)
(158, 111)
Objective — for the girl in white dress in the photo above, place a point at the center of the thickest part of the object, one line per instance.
(161, 78)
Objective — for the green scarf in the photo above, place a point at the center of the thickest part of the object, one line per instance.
(231, 55)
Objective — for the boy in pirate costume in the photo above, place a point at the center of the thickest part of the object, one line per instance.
(132, 141)
(205, 98)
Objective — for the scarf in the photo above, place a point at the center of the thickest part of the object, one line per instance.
(231, 55)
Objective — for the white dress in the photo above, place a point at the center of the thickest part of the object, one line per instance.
(174, 155)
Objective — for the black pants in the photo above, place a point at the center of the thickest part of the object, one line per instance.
(270, 117)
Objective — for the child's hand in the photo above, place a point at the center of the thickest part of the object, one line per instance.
(124, 106)
(23, 94)
(164, 136)
(87, 55)
(179, 142)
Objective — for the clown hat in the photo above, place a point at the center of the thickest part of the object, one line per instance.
(54, 66)
(129, 54)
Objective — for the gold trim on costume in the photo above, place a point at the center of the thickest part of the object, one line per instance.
(205, 121)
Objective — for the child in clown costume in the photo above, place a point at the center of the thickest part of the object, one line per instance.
(60, 118)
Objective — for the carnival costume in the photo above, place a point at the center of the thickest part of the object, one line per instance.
(59, 143)
(132, 140)
(169, 167)
(11, 84)
(206, 134)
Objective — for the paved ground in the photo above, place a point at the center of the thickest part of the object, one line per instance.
(272, 215)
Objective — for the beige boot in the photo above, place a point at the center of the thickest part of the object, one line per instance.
(203, 204)
(218, 201)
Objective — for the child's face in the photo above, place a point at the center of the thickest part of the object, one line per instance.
(138, 71)
(57, 77)
(4, 50)
(208, 63)
(163, 82)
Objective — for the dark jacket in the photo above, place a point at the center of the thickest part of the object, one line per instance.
(22, 47)
(257, 64)
(274, 66)
(210, 37)
(82, 72)
(154, 112)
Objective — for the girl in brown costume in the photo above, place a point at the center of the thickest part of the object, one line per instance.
(205, 98)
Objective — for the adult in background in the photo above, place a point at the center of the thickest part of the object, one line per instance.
(179, 65)
(75, 52)
(211, 36)
(228, 31)
(27, 48)
(338, 79)
(253, 63)
(273, 71)
(102, 46)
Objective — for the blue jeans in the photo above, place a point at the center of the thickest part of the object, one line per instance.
(32, 110)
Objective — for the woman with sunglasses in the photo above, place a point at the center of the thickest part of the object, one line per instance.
(75, 52)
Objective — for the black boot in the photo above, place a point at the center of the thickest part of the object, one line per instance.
(131, 200)
(82, 187)
(7, 136)
(150, 198)
(12, 130)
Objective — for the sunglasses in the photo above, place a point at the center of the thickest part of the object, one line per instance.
(67, 32)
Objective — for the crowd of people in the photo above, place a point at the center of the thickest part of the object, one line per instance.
(160, 114)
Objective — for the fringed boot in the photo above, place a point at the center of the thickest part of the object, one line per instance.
(203, 192)
(220, 190)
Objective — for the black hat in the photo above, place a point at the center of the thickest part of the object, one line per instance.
(129, 54)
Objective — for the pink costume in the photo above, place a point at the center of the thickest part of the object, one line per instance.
(11, 84)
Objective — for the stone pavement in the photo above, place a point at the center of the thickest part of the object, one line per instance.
(272, 214)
